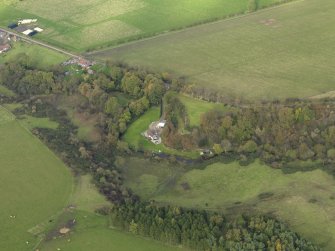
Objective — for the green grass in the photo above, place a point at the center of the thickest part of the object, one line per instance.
(12, 106)
(282, 52)
(5, 115)
(233, 188)
(38, 56)
(134, 138)
(34, 184)
(149, 178)
(6, 92)
(81, 25)
(86, 123)
(92, 233)
(86, 196)
(30, 122)
(195, 108)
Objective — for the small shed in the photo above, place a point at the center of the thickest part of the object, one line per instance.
(27, 32)
(38, 29)
(12, 25)
(161, 124)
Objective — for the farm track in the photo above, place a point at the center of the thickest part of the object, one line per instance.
(30, 40)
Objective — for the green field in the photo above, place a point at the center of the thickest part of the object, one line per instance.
(93, 234)
(134, 138)
(256, 188)
(81, 25)
(30, 122)
(281, 52)
(5, 91)
(35, 185)
(38, 56)
(36, 188)
(195, 108)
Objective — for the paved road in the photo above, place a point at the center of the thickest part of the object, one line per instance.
(28, 39)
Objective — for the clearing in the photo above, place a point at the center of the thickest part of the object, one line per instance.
(82, 25)
(196, 107)
(276, 53)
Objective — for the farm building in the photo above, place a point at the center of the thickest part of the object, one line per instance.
(27, 21)
(4, 48)
(12, 26)
(38, 29)
(161, 124)
(27, 32)
(32, 33)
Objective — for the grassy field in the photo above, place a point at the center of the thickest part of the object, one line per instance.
(134, 138)
(81, 25)
(34, 184)
(38, 56)
(251, 189)
(35, 189)
(30, 122)
(195, 108)
(149, 178)
(281, 52)
(92, 233)
(6, 92)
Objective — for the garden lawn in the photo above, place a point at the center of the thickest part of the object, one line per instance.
(276, 53)
(134, 138)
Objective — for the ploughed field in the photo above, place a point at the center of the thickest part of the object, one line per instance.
(276, 53)
(80, 25)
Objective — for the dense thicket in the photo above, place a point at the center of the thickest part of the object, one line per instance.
(199, 230)
(275, 132)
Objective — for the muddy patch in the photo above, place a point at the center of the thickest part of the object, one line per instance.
(62, 230)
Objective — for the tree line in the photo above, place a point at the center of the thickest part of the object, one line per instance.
(196, 229)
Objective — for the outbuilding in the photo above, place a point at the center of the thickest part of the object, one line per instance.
(27, 32)
(12, 25)
(4, 48)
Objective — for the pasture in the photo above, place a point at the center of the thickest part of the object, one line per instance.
(276, 53)
(92, 233)
(258, 189)
(82, 25)
(35, 185)
(38, 56)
